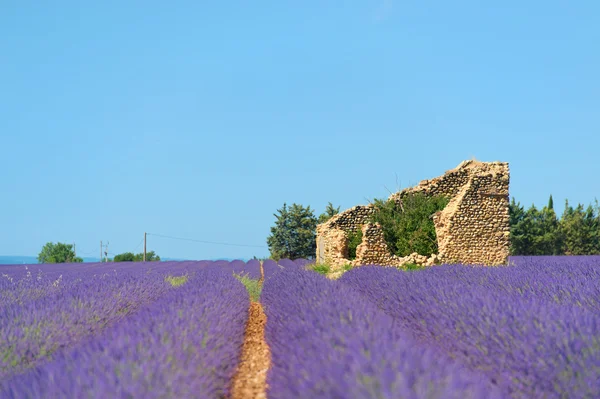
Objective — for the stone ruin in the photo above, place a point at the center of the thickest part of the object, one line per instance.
(472, 229)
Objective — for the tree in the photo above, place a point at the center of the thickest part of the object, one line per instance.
(520, 239)
(533, 231)
(150, 257)
(545, 231)
(58, 253)
(407, 224)
(131, 257)
(581, 230)
(125, 257)
(330, 211)
(294, 234)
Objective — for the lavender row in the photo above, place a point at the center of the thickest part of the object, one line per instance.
(535, 347)
(250, 268)
(185, 344)
(270, 268)
(62, 312)
(328, 342)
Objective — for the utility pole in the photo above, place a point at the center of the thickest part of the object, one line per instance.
(100, 250)
(74, 249)
(144, 246)
(106, 252)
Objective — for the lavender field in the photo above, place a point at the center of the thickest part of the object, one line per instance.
(121, 330)
(529, 330)
(176, 329)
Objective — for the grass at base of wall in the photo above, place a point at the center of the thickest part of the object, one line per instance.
(254, 287)
(321, 268)
(326, 270)
(411, 267)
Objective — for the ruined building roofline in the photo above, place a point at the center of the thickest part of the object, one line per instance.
(470, 165)
(340, 215)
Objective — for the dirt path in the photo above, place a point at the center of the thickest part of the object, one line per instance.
(250, 380)
(262, 272)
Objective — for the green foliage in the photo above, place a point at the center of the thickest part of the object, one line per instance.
(294, 234)
(125, 257)
(541, 232)
(581, 229)
(412, 267)
(354, 240)
(534, 232)
(150, 257)
(330, 211)
(321, 268)
(176, 281)
(58, 253)
(520, 240)
(347, 267)
(130, 257)
(254, 287)
(407, 224)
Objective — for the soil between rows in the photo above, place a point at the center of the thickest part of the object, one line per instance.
(250, 380)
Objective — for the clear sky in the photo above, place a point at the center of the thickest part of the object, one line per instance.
(200, 118)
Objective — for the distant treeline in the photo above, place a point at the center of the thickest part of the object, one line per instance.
(540, 232)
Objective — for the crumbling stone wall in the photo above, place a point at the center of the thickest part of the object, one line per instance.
(472, 229)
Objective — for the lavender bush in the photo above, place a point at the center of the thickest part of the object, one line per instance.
(270, 268)
(237, 266)
(328, 342)
(303, 262)
(252, 269)
(287, 263)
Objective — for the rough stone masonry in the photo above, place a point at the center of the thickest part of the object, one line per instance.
(472, 229)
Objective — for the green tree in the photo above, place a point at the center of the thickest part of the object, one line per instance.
(520, 227)
(294, 234)
(125, 257)
(533, 231)
(581, 229)
(546, 235)
(58, 253)
(330, 211)
(407, 224)
(354, 240)
(150, 257)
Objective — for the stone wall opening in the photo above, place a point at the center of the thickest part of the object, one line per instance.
(473, 228)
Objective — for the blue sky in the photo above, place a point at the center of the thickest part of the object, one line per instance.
(200, 119)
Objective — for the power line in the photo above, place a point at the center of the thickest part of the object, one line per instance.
(136, 248)
(206, 242)
(86, 253)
